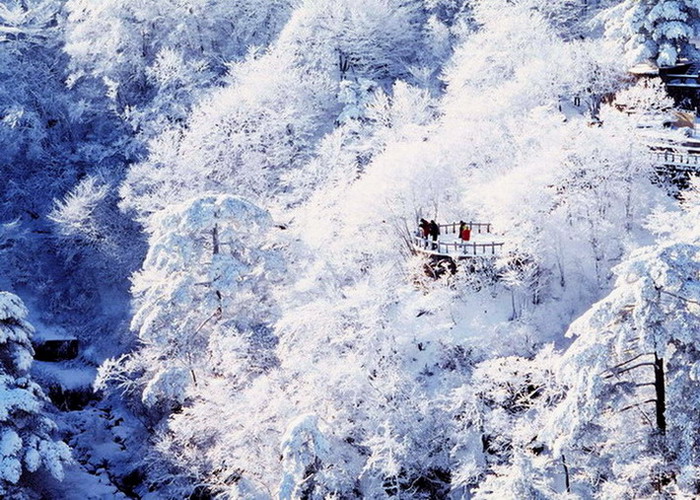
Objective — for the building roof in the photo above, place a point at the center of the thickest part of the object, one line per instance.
(644, 69)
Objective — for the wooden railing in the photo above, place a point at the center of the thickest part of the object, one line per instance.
(478, 227)
(676, 159)
(457, 249)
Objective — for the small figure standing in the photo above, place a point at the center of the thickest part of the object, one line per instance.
(465, 231)
(434, 233)
(425, 228)
(424, 232)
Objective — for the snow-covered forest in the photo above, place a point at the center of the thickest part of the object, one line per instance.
(220, 268)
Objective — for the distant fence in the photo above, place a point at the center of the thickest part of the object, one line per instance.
(687, 160)
(478, 227)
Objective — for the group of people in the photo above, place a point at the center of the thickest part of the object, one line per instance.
(432, 230)
(429, 229)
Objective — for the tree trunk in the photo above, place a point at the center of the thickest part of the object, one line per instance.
(660, 387)
(215, 239)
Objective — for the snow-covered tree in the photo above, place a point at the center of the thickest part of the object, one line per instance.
(92, 230)
(303, 449)
(53, 139)
(153, 58)
(26, 443)
(646, 97)
(496, 417)
(572, 18)
(662, 31)
(628, 415)
(237, 141)
(374, 39)
(202, 305)
(249, 136)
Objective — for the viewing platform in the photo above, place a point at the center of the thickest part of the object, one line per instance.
(450, 244)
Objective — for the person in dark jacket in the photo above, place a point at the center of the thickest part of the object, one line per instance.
(434, 233)
(425, 228)
(424, 232)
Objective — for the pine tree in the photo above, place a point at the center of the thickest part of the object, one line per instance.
(654, 30)
(629, 417)
(26, 445)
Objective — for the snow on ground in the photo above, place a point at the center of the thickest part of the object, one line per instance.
(79, 484)
(69, 375)
(107, 444)
(42, 330)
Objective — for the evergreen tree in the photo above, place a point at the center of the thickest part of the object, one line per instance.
(26, 443)
(629, 415)
(654, 30)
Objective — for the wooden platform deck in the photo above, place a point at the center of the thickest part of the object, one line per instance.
(450, 245)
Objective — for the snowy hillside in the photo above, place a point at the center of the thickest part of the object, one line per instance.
(343, 249)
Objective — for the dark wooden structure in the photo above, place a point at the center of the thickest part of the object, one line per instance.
(682, 81)
(683, 84)
(56, 350)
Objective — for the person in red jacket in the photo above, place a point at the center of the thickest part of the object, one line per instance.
(465, 231)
